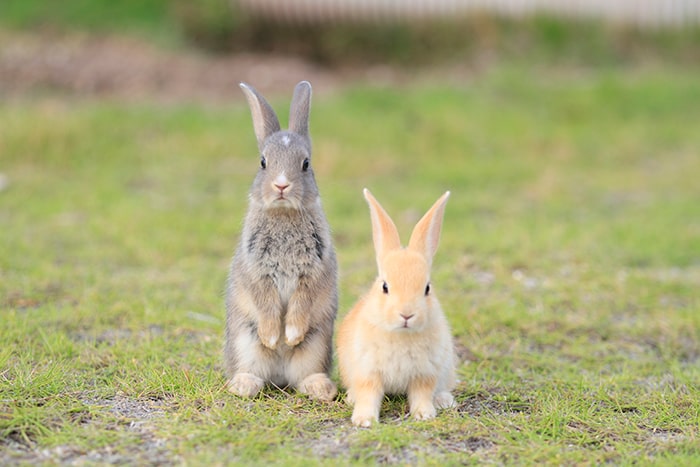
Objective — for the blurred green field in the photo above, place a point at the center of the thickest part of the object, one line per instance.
(151, 17)
(569, 269)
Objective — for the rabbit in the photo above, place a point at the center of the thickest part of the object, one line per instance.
(396, 339)
(281, 290)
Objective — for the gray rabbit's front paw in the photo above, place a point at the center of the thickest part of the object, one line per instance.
(293, 335)
(269, 333)
(296, 326)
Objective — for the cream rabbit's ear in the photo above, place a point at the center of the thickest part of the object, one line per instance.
(265, 121)
(384, 233)
(426, 233)
(300, 108)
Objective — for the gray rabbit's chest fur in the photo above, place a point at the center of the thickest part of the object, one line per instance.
(285, 248)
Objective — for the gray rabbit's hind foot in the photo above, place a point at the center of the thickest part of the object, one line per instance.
(318, 386)
(245, 384)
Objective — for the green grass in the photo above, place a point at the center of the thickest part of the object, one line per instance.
(135, 16)
(568, 268)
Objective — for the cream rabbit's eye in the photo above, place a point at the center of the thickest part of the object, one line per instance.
(263, 162)
(385, 287)
(427, 289)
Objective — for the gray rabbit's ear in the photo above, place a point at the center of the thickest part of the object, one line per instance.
(265, 121)
(300, 108)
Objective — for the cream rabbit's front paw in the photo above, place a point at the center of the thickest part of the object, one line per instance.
(425, 412)
(363, 419)
(444, 400)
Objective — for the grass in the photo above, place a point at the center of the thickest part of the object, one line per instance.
(151, 18)
(569, 268)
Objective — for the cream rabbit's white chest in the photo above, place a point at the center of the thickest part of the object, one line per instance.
(399, 358)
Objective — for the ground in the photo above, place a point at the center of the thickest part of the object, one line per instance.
(127, 68)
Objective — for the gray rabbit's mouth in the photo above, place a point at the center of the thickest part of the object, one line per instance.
(282, 201)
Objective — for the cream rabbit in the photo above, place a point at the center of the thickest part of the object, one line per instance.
(281, 294)
(396, 339)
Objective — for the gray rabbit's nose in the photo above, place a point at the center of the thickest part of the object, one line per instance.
(281, 182)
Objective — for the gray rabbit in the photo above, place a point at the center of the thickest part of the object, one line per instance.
(281, 294)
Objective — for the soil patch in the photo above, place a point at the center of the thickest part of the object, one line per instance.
(129, 69)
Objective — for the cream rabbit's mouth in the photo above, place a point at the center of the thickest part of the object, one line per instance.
(406, 318)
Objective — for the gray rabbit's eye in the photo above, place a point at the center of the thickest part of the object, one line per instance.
(305, 165)
(385, 287)
(263, 163)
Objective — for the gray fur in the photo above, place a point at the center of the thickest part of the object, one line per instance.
(265, 121)
(281, 294)
(299, 109)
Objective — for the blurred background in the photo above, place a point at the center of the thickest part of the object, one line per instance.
(569, 263)
(181, 49)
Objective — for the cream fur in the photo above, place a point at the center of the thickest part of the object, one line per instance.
(382, 352)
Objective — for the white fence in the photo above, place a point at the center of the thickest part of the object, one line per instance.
(646, 13)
